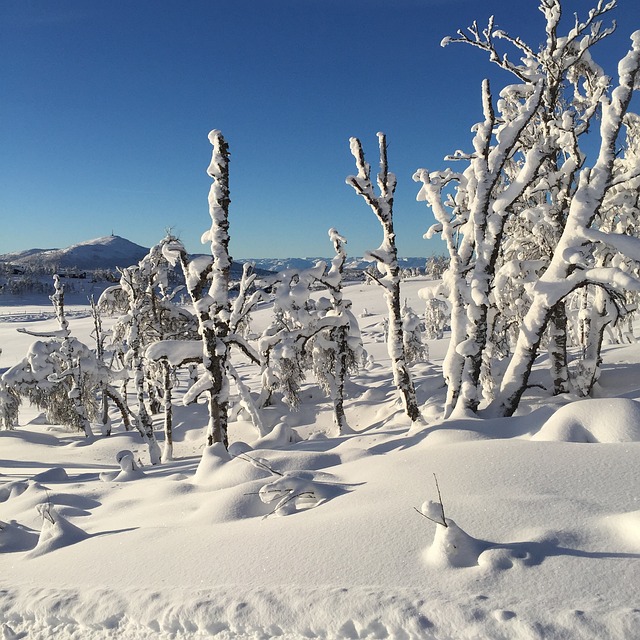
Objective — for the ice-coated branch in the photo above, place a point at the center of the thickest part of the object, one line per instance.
(245, 302)
(484, 40)
(628, 246)
(247, 401)
(612, 277)
(386, 180)
(583, 36)
(244, 346)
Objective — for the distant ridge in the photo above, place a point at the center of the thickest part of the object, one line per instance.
(352, 263)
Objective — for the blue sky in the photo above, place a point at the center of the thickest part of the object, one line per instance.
(106, 106)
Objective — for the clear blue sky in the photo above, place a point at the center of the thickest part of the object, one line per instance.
(106, 106)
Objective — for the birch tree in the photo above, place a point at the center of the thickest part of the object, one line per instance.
(386, 257)
(525, 175)
(207, 281)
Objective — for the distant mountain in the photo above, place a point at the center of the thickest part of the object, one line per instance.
(356, 264)
(107, 252)
(104, 253)
(110, 252)
(281, 264)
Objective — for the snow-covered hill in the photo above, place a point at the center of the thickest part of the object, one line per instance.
(107, 252)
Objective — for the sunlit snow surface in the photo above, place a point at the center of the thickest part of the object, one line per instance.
(546, 506)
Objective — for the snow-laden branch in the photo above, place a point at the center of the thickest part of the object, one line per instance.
(59, 333)
(176, 352)
(627, 245)
(613, 277)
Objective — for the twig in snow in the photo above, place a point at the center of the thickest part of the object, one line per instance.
(442, 520)
(258, 463)
(289, 499)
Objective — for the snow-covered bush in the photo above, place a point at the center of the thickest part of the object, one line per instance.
(413, 328)
(9, 407)
(436, 318)
(436, 266)
(308, 335)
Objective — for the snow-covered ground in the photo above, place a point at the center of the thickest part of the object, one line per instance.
(543, 511)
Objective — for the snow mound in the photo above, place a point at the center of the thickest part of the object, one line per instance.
(212, 461)
(16, 537)
(13, 489)
(55, 474)
(129, 470)
(598, 420)
(296, 491)
(626, 528)
(453, 547)
(57, 532)
(280, 437)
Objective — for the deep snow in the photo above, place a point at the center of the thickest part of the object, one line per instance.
(546, 542)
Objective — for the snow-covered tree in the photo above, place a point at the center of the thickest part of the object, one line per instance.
(306, 335)
(108, 391)
(436, 315)
(436, 266)
(522, 213)
(149, 314)
(9, 407)
(337, 350)
(207, 280)
(285, 346)
(386, 258)
(59, 375)
(413, 328)
(572, 265)
(603, 305)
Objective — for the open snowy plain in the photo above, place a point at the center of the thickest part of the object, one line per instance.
(545, 545)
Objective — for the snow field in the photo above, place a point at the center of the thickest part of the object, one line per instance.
(198, 548)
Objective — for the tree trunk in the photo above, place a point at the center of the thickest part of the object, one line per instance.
(558, 349)
(395, 346)
(339, 418)
(516, 377)
(589, 366)
(167, 453)
(143, 421)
